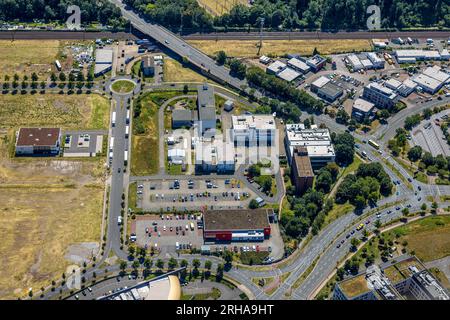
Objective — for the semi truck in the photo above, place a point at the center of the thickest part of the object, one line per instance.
(113, 121)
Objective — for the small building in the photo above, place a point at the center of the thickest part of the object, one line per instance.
(228, 105)
(302, 172)
(288, 74)
(393, 84)
(236, 225)
(183, 118)
(316, 63)
(319, 83)
(275, 67)
(377, 62)
(330, 92)
(298, 65)
(38, 141)
(206, 105)
(354, 62)
(176, 156)
(407, 88)
(148, 66)
(253, 129)
(103, 61)
(363, 109)
(264, 60)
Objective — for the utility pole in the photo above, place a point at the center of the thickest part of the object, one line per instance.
(261, 26)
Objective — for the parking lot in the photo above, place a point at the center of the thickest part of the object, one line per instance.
(192, 194)
(82, 143)
(429, 135)
(162, 232)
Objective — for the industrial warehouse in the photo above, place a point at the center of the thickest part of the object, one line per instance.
(237, 225)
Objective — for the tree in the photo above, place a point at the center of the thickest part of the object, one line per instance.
(219, 272)
(53, 77)
(265, 182)
(172, 263)
(62, 77)
(185, 89)
(160, 264)
(354, 242)
(324, 181)
(122, 265)
(434, 206)
(34, 77)
(208, 264)
(415, 153)
(148, 263)
(228, 257)
(221, 57)
(135, 264)
(184, 263)
(253, 204)
(237, 68)
(423, 207)
(405, 212)
(196, 263)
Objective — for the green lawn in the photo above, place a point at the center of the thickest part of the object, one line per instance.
(132, 191)
(214, 294)
(338, 210)
(145, 150)
(123, 86)
(251, 257)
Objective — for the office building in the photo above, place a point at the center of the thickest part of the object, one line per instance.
(253, 129)
(316, 141)
(302, 172)
(206, 105)
(38, 141)
(363, 109)
(381, 96)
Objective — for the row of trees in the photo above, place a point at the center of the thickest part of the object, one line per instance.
(283, 90)
(433, 165)
(367, 185)
(56, 10)
(303, 14)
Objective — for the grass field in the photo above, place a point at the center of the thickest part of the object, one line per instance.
(175, 72)
(219, 7)
(276, 48)
(123, 86)
(27, 56)
(68, 112)
(45, 206)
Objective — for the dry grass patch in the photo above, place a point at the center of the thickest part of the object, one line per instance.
(175, 72)
(276, 48)
(220, 7)
(69, 112)
(45, 206)
(27, 56)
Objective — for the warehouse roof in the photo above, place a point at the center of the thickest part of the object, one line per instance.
(206, 96)
(244, 219)
(288, 74)
(38, 136)
(103, 56)
(182, 115)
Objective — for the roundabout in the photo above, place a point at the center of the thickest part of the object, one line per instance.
(123, 86)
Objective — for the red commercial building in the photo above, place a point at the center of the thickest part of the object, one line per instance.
(236, 225)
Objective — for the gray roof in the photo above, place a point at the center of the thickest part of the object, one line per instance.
(182, 115)
(206, 96)
(207, 113)
(148, 62)
(331, 89)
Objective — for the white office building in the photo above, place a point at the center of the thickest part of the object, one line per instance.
(316, 141)
(253, 129)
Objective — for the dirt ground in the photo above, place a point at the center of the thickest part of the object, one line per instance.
(45, 206)
(277, 48)
(28, 56)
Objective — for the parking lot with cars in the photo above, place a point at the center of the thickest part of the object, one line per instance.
(168, 233)
(192, 194)
(429, 135)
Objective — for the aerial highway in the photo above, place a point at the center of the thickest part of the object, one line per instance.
(181, 48)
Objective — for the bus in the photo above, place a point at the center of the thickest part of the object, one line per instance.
(113, 121)
(374, 144)
(127, 131)
(128, 117)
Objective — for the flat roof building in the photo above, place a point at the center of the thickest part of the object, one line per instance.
(354, 62)
(103, 61)
(330, 92)
(298, 65)
(148, 66)
(404, 56)
(379, 95)
(275, 67)
(316, 63)
(408, 86)
(302, 172)
(38, 141)
(253, 129)
(404, 278)
(288, 74)
(316, 141)
(236, 225)
(216, 156)
(183, 118)
(363, 109)
(432, 79)
(206, 104)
